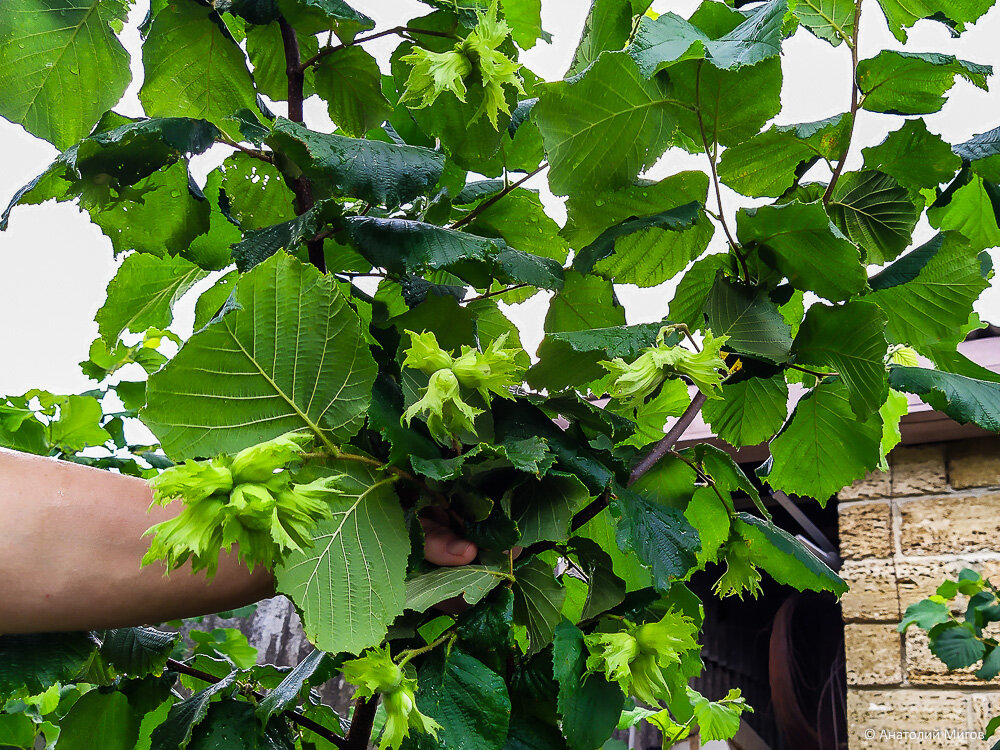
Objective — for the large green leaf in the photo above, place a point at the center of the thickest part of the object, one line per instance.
(30, 664)
(543, 508)
(607, 27)
(349, 584)
(78, 425)
(661, 42)
(380, 173)
(287, 692)
(257, 193)
(317, 16)
(913, 83)
(583, 303)
(467, 698)
(750, 411)
(927, 295)
(823, 447)
(769, 163)
(471, 582)
(660, 537)
(185, 715)
(620, 120)
(902, 14)
(874, 212)
(351, 83)
(266, 52)
(832, 20)
(800, 242)
(750, 319)
(525, 18)
(572, 357)
(588, 704)
(403, 246)
(785, 558)
(258, 245)
(193, 67)
(231, 725)
(16, 730)
(520, 220)
(61, 65)
(137, 651)
(291, 357)
(956, 644)
(914, 156)
(538, 601)
(859, 357)
(142, 294)
(970, 211)
(104, 720)
(963, 399)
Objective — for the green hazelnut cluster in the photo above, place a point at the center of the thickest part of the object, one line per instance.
(640, 379)
(433, 73)
(375, 672)
(741, 574)
(490, 372)
(645, 660)
(249, 499)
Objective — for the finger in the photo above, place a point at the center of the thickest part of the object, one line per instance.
(442, 546)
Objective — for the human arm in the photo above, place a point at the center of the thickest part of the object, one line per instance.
(71, 544)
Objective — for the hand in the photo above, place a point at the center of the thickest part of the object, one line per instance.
(442, 546)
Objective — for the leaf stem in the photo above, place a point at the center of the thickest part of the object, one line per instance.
(401, 30)
(487, 203)
(293, 716)
(814, 373)
(487, 295)
(668, 441)
(412, 653)
(255, 153)
(855, 103)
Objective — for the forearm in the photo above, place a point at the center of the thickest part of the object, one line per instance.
(70, 550)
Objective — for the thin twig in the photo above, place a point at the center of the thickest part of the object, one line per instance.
(255, 153)
(668, 441)
(293, 716)
(814, 373)
(401, 30)
(487, 203)
(498, 292)
(855, 103)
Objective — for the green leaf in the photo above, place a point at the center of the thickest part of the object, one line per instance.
(956, 644)
(650, 417)
(211, 301)
(467, 698)
(142, 294)
(543, 508)
(661, 42)
(286, 694)
(349, 584)
(30, 664)
(291, 357)
(588, 705)
(317, 16)
(859, 358)
(785, 558)
(266, 51)
(175, 731)
(769, 163)
(257, 193)
(750, 319)
(971, 212)
(914, 156)
(137, 651)
(520, 220)
(620, 141)
(193, 67)
(260, 244)
(99, 719)
(980, 150)
(607, 27)
(799, 240)
(913, 83)
(572, 357)
(717, 720)
(351, 83)
(61, 65)
(902, 14)
(925, 614)
(584, 302)
(79, 424)
(228, 643)
(16, 730)
(963, 399)
(659, 536)
(832, 20)
(750, 411)
(403, 246)
(688, 303)
(874, 212)
(538, 600)
(231, 725)
(991, 665)
(376, 172)
(823, 447)
(604, 588)
(895, 408)
(471, 582)
(927, 295)
(525, 18)
(707, 513)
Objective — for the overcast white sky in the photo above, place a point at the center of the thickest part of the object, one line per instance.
(55, 264)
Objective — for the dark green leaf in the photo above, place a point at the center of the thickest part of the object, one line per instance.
(620, 141)
(543, 508)
(538, 600)
(785, 558)
(660, 537)
(688, 303)
(231, 725)
(956, 645)
(750, 411)
(286, 694)
(30, 664)
(175, 731)
(602, 530)
(351, 83)
(914, 156)
(823, 447)
(317, 16)
(963, 399)
(799, 240)
(874, 212)
(294, 336)
(913, 83)
(260, 244)
(471, 582)
(589, 706)
(266, 51)
(750, 319)
(605, 589)
(103, 720)
(61, 65)
(925, 614)
(991, 665)
(16, 730)
(193, 67)
(859, 358)
(902, 14)
(137, 651)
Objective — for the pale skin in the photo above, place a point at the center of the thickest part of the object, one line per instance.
(71, 542)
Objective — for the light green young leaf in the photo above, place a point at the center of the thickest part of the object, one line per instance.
(471, 582)
(584, 303)
(78, 425)
(894, 408)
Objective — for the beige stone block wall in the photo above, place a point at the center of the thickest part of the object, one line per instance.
(902, 532)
